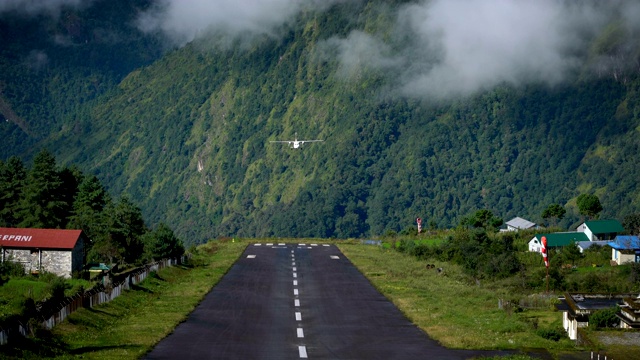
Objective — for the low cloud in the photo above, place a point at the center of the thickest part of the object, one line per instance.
(450, 48)
(185, 20)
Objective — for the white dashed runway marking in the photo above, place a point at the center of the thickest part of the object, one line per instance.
(251, 256)
(296, 303)
(300, 333)
(298, 316)
(302, 350)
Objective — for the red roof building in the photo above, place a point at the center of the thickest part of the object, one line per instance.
(50, 250)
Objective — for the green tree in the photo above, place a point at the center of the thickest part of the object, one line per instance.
(554, 212)
(589, 205)
(570, 254)
(71, 178)
(126, 228)
(42, 205)
(162, 243)
(482, 219)
(631, 224)
(89, 210)
(604, 318)
(12, 176)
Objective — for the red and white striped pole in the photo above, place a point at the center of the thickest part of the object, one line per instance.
(419, 221)
(545, 256)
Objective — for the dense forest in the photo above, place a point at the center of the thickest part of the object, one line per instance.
(51, 197)
(185, 130)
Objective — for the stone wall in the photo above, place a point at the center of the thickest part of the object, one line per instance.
(60, 262)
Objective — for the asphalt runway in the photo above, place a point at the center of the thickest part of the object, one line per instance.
(299, 301)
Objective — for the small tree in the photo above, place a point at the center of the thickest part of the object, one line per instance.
(631, 224)
(589, 205)
(571, 253)
(605, 318)
(554, 212)
(162, 243)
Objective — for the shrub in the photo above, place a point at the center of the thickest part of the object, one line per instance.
(605, 318)
(553, 334)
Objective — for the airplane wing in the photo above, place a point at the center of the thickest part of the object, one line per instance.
(306, 141)
(280, 141)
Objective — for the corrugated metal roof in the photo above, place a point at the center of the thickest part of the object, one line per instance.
(563, 239)
(604, 226)
(625, 242)
(520, 223)
(39, 238)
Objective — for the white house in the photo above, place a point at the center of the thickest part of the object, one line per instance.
(601, 229)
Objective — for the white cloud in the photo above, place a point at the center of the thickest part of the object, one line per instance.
(184, 20)
(459, 47)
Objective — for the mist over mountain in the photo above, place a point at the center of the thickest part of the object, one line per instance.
(427, 108)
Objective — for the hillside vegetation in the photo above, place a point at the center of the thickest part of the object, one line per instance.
(187, 136)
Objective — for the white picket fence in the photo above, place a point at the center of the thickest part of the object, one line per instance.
(96, 296)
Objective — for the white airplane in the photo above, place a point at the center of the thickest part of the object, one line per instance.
(295, 144)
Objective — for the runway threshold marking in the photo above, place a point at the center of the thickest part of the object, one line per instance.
(251, 256)
(334, 257)
(257, 244)
(302, 350)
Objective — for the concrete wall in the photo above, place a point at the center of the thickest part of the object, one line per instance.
(621, 258)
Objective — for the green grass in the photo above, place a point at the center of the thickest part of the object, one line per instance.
(451, 309)
(15, 291)
(133, 323)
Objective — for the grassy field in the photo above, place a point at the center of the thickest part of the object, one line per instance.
(455, 311)
(133, 323)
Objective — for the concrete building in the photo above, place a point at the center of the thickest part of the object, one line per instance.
(576, 309)
(625, 249)
(61, 252)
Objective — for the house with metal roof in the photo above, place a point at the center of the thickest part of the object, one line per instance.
(576, 309)
(601, 229)
(57, 251)
(518, 223)
(625, 249)
(555, 240)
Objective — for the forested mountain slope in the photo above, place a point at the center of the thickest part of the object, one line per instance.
(188, 136)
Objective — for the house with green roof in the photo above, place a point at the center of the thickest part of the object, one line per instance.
(555, 240)
(599, 230)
